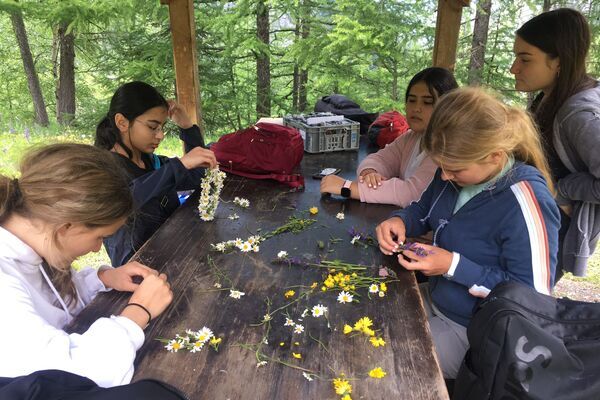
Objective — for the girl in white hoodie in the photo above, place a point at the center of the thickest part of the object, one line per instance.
(67, 199)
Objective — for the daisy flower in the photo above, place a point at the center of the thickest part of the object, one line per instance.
(238, 242)
(197, 346)
(344, 297)
(289, 322)
(245, 247)
(217, 285)
(282, 254)
(174, 345)
(373, 288)
(204, 334)
(307, 376)
(236, 294)
(381, 294)
(340, 216)
(255, 248)
(261, 364)
(233, 216)
(318, 310)
(266, 318)
(298, 328)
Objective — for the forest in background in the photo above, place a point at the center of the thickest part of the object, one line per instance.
(63, 59)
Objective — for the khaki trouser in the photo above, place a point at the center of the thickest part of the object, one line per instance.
(449, 337)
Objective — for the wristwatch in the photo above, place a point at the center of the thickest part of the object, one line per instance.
(346, 192)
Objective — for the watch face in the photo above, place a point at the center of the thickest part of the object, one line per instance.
(346, 192)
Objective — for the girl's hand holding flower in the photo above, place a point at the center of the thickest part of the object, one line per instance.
(390, 233)
(436, 262)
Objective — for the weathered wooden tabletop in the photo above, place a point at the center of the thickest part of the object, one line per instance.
(181, 249)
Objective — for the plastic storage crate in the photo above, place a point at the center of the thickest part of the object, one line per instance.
(325, 132)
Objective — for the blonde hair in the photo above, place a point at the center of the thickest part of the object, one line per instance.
(469, 124)
(66, 183)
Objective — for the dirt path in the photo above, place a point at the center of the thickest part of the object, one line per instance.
(581, 291)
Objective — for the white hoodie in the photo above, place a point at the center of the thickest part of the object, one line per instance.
(33, 316)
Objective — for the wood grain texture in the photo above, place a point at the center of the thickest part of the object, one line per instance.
(180, 249)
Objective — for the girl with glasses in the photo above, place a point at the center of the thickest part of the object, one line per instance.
(132, 131)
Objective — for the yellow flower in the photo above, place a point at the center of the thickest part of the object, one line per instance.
(313, 210)
(376, 342)
(289, 293)
(377, 373)
(342, 386)
(281, 344)
(329, 283)
(362, 323)
(354, 274)
(297, 355)
(297, 343)
(346, 397)
(347, 329)
(383, 287)
(215, 340)
(369, 331)
(314, 285)
(324, 289)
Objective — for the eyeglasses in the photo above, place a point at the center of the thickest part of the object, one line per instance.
(154, 129)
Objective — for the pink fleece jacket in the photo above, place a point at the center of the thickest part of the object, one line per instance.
(392, 162)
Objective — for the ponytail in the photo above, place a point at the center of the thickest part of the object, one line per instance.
(107, 135)
(528, 146)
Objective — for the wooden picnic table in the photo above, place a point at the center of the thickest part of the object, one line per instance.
(181, 249)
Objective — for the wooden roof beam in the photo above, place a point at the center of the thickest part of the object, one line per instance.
(183, 33)
(446, 32)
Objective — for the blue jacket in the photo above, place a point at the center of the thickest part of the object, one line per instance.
(507, 232)
(154, 190)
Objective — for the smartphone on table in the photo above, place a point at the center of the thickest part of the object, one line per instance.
(326, 171)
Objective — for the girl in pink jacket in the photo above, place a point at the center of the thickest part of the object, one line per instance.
(400, 172)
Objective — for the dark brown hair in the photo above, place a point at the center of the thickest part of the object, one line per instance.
(562, 33)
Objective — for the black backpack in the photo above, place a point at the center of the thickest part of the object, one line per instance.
(61, 385)
(526, 345)
(341, 105)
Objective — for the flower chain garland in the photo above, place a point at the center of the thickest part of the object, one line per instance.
(211, 186)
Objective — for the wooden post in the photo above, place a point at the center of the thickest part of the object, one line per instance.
(446, 32)
(183, 32)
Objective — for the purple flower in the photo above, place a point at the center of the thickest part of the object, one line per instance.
(415, 248)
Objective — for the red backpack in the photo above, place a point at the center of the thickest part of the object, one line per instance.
(262, 151)
(387, 127)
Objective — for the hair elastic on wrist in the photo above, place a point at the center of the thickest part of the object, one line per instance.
(143, 308)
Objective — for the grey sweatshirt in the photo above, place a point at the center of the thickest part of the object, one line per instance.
(576, 138)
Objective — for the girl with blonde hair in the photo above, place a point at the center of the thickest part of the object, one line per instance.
(492, 214)
(68, 198)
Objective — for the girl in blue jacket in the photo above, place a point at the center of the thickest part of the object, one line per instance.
(132, 130)
(491, 211)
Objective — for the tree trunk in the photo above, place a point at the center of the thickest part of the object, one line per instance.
(263, 62)
(41, 116)
(480, 35)
(65, 104)
(303, 76)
